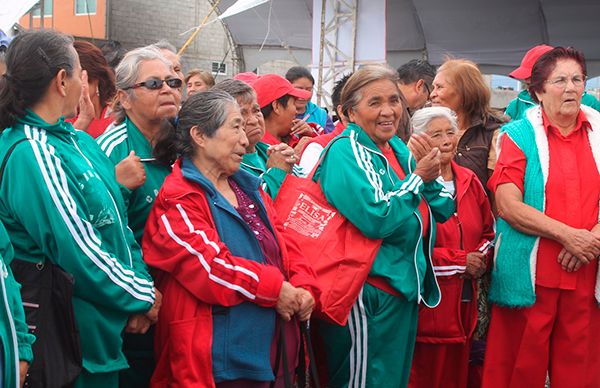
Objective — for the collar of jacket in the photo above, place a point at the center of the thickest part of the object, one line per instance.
(525, 97)
(247, 182)
(462, 178)
(404, 158)
(33, 120)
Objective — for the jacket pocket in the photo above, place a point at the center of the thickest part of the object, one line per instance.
(444, 323)
(190, 352)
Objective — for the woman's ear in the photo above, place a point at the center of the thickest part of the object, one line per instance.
(351, 115)
(124, 98)
(197, 136)
(60, 82)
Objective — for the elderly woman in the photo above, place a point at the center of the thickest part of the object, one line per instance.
(147, 95)
(221, 257)
(545, 290)
(97, 93)
(270, 162)
(460, 255)
(198, 80)
(371, 178)
(459, 85)
(70, 213)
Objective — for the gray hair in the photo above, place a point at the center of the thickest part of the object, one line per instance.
(352, 91)
(421, 118)
(164, 45)
(126, 74)
(239, 90)
(207, 110)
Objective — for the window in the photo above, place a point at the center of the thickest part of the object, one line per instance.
(47, 8)
(219, 68)
(85, 7)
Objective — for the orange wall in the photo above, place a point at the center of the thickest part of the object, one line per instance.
(65, 20)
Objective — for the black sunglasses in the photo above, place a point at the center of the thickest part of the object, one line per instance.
(155, 84)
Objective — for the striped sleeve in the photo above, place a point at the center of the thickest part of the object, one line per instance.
(449, 261)
(181, 240)
(114, 138)
(56, 218)
(351, 183)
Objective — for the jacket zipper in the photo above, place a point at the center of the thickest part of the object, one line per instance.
(239, 219)
(387, 165)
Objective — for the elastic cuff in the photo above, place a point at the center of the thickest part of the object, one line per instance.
(25, 353)
(269, 286)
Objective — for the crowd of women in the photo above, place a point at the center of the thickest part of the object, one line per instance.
(161, 238)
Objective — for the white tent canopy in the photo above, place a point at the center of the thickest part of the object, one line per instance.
(495, 34)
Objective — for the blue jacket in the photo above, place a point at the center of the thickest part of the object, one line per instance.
(319, 116)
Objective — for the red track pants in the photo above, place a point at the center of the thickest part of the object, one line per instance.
(559, 335)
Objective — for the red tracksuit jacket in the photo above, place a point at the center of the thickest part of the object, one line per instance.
(470, 229)
(196, 271)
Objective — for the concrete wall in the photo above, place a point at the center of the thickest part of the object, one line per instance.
(137, 23)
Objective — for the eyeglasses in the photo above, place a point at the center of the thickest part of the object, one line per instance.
(155, 84)
(561, 82)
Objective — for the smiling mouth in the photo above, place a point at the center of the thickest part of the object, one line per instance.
(386, 123)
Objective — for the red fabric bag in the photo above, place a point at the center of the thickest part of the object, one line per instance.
(339, 253)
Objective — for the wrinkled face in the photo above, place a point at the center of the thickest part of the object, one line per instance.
(304, 84)
(196, 84)
(379, 111)
(444, 137)
(223, 151)
(444, 93)
(561, 96)
(254, 123)
(73, 86)
(152, 105)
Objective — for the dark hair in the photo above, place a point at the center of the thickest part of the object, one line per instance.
(97, 68)
(268, 109)
(298, 72)
(113, 53)
(208, 110)
(239, 90)
(32, 61)
(352, 90)
(545, 65)
(336, 94)
(414, 70)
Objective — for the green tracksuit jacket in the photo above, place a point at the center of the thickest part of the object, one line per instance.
(357, 179)
(117, 142)
(256, 164)
(14, 336)
(59, 201)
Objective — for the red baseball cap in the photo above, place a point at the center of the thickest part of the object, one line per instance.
(247, 77)
(270, 87)
(524, 71)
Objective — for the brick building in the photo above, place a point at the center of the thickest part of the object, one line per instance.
(136, 23)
